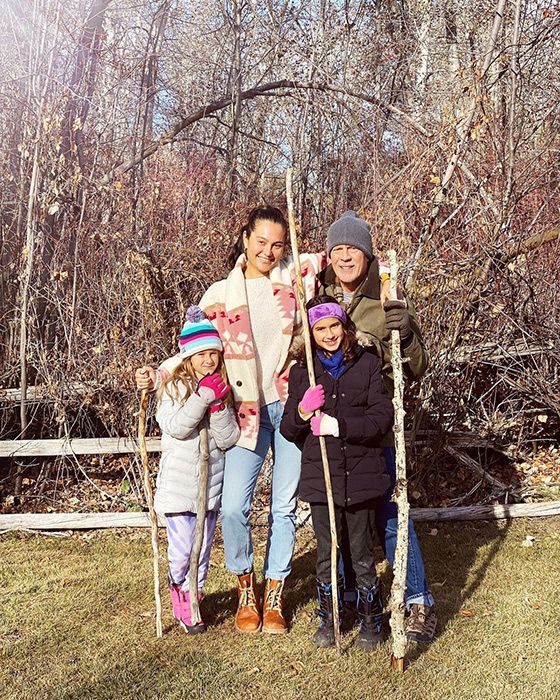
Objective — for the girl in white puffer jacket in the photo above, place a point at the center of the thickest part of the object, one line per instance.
(196, 393)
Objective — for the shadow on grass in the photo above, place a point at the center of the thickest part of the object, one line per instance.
(456, 566)
(150, 675)
(219, 607)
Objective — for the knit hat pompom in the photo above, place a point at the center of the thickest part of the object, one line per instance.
(198, 334)
(195, 314)
(350, 230)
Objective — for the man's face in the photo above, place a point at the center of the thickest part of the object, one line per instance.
(350, 266)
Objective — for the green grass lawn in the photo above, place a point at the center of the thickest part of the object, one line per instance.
(76, 621)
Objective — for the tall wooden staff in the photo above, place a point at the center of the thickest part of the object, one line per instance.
(150, 500)
(310, 370)
(201, 502)
(398, 588)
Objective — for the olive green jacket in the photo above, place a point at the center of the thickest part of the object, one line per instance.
(366, 312)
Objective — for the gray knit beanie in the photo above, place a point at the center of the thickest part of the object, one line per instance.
(350, 230)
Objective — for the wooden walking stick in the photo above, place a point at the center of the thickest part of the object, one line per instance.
(201, 502)
(312, 382)
(150, 500)
(397, 605)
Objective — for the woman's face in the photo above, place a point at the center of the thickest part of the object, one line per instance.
(264, 247)
(205, 362)
(328, 334)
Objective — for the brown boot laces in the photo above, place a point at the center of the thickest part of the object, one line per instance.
(274, 598)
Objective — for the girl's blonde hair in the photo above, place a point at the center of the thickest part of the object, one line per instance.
(184, 373)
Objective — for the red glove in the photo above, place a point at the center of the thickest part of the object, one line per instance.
(212, 388)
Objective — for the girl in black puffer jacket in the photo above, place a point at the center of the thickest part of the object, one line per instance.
(355, 413)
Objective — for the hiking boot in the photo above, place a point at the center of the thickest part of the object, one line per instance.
(248, 616)
(422, 623)
(349, 612)
(370, 614)
(273, 620)
(324, 636)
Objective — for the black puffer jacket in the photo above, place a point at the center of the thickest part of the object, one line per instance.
(360, 403)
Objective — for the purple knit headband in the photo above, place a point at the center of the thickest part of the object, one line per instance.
(328, 310)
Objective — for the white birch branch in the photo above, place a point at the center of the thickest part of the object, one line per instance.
(398, 589)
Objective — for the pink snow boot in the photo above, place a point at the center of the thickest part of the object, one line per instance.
(175, 593)
(185, 619)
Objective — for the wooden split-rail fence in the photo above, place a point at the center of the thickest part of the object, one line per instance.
(18, 449)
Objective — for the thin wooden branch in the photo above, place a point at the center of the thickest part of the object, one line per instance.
(201, 503)
(463, 134)
(480, 272)
(311, 373)
(257, 91)
(150, 500)
(535, 241)
(512, 116)
(473, 465)
(400, 496)
(493, 352)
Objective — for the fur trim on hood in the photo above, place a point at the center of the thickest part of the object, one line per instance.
(297, 346)
(365, 340)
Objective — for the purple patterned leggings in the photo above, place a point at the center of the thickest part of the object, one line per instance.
(180, 539)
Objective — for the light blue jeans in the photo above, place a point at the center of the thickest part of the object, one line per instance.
(242, 469)
(417, 591)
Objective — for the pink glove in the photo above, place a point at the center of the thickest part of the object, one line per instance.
(212, 388)
(324, 425)
(313, 399)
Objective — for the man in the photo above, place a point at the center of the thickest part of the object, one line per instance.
(353, 278)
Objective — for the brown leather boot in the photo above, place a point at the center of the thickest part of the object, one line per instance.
(273, 620)
(248, 616)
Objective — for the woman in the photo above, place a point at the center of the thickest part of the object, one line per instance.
(255, 312)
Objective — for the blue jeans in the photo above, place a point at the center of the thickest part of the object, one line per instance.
(417, 590)
(240, 476)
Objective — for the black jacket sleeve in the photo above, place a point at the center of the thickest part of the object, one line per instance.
(293, 427)
(378, 417)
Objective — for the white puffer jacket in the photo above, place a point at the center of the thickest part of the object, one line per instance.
(177, 480)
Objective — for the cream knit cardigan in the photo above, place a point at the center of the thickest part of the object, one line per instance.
(225, 304)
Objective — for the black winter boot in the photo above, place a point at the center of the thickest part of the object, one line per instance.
(324, 636)
(370, 614)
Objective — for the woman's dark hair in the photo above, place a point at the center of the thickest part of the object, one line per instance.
(264, 213)
(349, 344)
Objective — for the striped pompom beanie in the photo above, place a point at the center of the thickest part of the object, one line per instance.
(198, 334)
